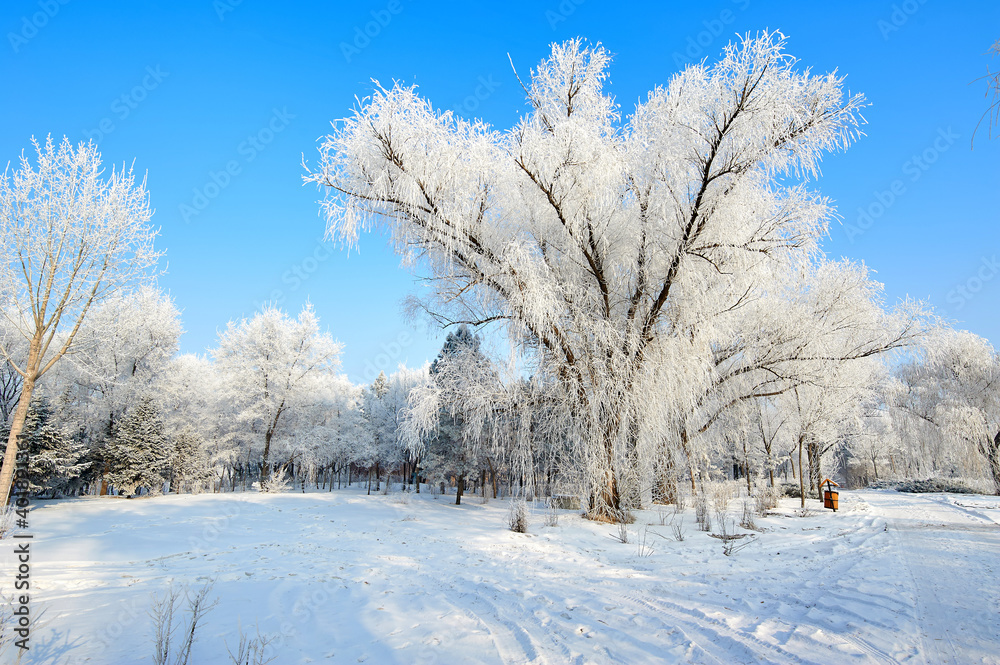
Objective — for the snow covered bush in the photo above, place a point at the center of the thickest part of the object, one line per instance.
(276, 482)
(517, 516)
(934, 485)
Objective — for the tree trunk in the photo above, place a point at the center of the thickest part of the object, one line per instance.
(16, 425)
(267, 454)
(802, 482)
(992, 452)
(459, 490)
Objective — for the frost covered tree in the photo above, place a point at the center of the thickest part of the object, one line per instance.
(269, 366)
(819, 330)
(138, 452)
(444, 431)
(382, 452)
(385, 409)
(55, 457)
(608, 249)
(189, 463)
(69, 238)
(954, 392)
(395, 404)
(124, 346)
(188, 391)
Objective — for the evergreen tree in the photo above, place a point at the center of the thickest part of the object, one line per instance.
(138, 453)
(55, 459)
(448, 452)
(189, 463)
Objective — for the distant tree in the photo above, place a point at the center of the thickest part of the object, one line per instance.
(121, 350)
(954, 392)
(188, 390)
(383, 452)
(449, 442)
(69, 239)
(270, 366)
(10, 391)
(138, 452)
(189, 465)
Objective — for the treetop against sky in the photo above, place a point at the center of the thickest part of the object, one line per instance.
(219, 102)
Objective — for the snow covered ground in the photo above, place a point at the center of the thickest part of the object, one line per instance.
(344, 578)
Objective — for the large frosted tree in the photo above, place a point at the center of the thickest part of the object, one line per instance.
(608, 248)
(70, 236)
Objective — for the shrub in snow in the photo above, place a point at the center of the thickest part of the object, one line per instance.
(934, 485)
(792, 490)
(765, 498)
(251, 650)
(276, 482)
(747, 520)
(166, 622)
(701, 515)
(517, 516)
(677, 528)
(551, 514)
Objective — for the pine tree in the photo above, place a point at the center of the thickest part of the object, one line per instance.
(380, 386)
(189, 463)
(55, 459)
(138, 453)
(448, 452)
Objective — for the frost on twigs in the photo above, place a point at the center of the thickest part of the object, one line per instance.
(276, 482)
(517, 515)
(252, 649)
(166, 614)
(650, 271)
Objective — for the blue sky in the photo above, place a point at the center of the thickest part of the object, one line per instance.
(218, 101)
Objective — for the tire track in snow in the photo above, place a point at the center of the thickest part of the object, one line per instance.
(930, 542)
(721, 639)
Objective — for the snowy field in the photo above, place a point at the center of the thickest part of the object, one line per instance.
(345, 578)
